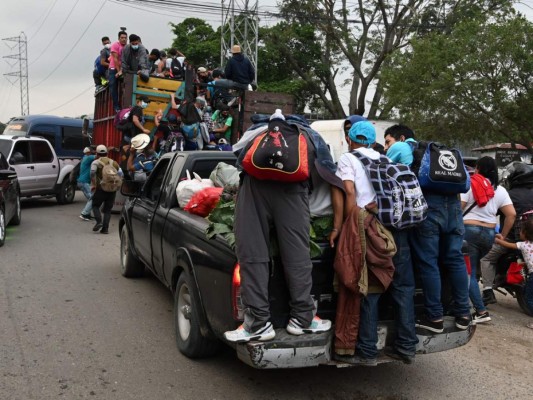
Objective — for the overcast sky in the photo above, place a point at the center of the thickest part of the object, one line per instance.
(64, 39)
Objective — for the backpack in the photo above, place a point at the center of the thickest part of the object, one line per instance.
(401, 203)
(122, 119)
(279, 154)
(174, 142)
(190, 131)
(440, 168)
(111, 180)
(177, 69)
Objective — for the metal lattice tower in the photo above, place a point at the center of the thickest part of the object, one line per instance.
(240, 25)
(22, 74)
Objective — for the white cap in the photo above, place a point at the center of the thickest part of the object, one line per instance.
(277, 115)
(101, 149)
(86, 150)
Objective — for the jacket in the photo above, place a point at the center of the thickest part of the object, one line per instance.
(135, 60)
(363, 264)
(240, 69)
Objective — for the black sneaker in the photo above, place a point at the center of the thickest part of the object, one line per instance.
(463, 322)
(85, 217)
(488, 297)
(480, 318)
(104, 231)
(97, 227)
(395, 354)
(433, 326)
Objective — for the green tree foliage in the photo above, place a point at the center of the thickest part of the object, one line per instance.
(198, 41)
(473, 83)
(357, 38)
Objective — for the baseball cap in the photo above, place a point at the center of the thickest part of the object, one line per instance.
(140, 141)
(365, 130)
(201, 69)
(101, 149)
(86, 150)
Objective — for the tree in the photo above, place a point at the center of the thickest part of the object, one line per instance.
(358, 39)
(473, 83)
(198, 41)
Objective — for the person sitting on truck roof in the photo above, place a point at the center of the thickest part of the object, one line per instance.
(153, 60)
(175, 64)
(239, 68)
(115, 67)
(135, 57)
(101, 65)
(161, 69)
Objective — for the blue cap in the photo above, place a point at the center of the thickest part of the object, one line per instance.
(364, 129)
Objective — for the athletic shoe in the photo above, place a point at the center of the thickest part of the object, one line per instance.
(97, 227)
(395, 354)
(480, 318)
(241, 335)
(433, 326)
(488, 297)
(294, 327)
(85, 217)
(105, 231)
(463, 323)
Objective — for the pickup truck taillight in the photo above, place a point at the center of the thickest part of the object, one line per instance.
(238, 311)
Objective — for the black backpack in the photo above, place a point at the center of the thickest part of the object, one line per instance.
(177, 69)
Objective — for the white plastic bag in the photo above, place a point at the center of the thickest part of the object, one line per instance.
(188, 187)
(224, 174)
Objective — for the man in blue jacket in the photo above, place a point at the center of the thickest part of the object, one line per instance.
(239, 68)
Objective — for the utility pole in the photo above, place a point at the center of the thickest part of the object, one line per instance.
(240, 25)
(22, 74)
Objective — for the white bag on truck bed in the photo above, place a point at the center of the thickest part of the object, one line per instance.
(187, 187)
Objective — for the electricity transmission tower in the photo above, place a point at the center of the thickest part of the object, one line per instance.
(21, 59)
(240, 25)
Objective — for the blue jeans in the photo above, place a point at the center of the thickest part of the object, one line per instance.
(528, 291)
(439, 240)
(368, 327)
(480, 240)
(86, 189)
(113, 85)
(402, 291)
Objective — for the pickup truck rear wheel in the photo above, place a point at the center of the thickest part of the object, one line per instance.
(2, 226)
(66, 192)
(189, 338)
(130, 266)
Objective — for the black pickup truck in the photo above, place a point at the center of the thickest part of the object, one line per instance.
(203, 275)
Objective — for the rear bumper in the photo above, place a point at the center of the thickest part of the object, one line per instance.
(288, 351)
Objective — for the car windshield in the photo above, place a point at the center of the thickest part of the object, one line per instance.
(16, 128)
(5, 147)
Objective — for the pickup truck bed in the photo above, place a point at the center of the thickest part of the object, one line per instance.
(203, 276)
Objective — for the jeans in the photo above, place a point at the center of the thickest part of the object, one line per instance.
(86, 189)
(368, 327)
(402, 291)
(107, 199)
(480, 240)
(438, 240)
(488, 264)
(113, 85)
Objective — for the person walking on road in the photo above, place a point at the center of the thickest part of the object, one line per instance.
(84, 182)
(104, 190)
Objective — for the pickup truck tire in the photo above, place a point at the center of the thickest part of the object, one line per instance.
(66, 192)
(189, 338)
(2, 226)
(130, 266)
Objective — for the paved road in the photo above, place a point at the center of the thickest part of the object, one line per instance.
(71, 328)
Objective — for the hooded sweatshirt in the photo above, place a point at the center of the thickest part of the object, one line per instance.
(239, 69)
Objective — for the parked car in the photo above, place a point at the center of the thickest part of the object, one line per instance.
(10, 213)
(68, 136)
(40, 172)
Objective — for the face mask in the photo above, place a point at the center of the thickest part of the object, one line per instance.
(143, 104)
(108, 46)
(135, 46)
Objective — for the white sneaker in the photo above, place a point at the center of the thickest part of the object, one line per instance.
(241, 335)
(294, 327)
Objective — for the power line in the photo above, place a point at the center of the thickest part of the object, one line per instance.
(68, 101)
(57, 33)
(44, 20)
(74, 45)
